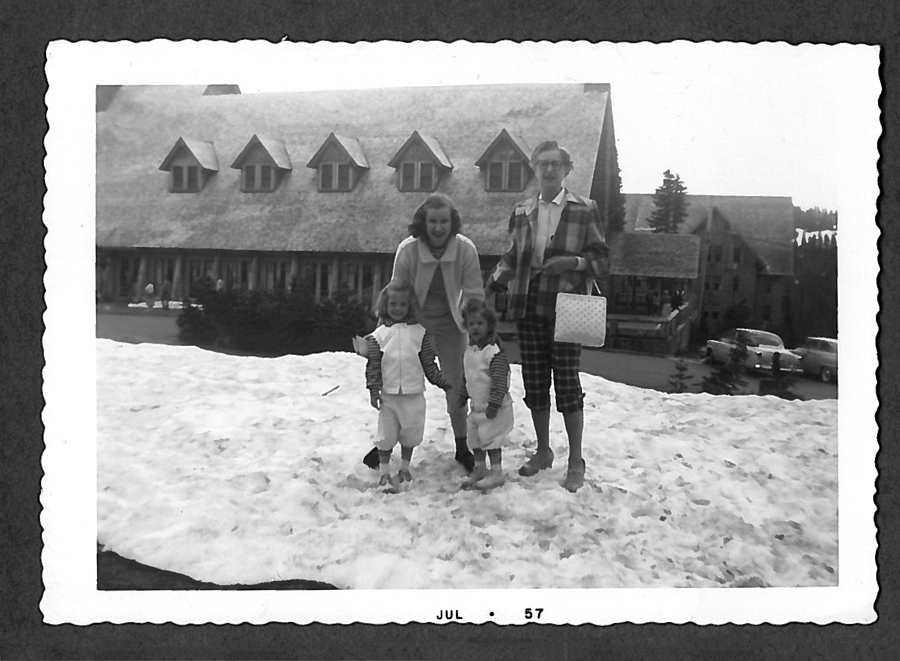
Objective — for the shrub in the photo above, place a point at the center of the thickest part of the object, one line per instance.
(725, 379)
(273, 324)
(679, 380)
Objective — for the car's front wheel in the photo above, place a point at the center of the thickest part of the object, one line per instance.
(827, 374)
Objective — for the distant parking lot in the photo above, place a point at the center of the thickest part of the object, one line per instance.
(119, 322)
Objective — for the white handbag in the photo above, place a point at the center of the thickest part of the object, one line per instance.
(581, 318)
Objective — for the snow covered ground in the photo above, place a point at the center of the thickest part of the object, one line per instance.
(244, 470)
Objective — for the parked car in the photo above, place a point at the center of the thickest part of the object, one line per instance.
(761, 347)
(818, 358)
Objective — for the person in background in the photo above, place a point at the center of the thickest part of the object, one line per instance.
(166, 294)
(557, 245)
(400, 357)
(486, 385)
(148, 295)
(665, 308)
(442, 266)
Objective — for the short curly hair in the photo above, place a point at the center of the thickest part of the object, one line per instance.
(435, 201)
(381, 307)
(477, 306)
(547, 145)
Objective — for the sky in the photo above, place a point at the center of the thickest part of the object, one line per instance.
(730, 119)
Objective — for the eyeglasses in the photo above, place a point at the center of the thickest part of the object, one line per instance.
(553, 165)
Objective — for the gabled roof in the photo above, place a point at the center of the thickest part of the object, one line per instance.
(273, 147)
(765, 224)
(517, 143)
(349, 146)
(431, 144)
(654, 255)
(135, 209)
(203, 151)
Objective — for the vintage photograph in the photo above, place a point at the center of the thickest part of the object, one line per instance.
(469, 334)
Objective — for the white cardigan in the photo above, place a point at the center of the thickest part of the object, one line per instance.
(460, 269)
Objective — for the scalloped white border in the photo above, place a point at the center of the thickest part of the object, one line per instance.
(68, 488)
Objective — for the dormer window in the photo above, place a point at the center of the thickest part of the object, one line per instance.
(339, 163)
(417, 176)
(335, 177)
(505, 164)
(185, 178)
(263, 163)
(420, 163)
(190, 163)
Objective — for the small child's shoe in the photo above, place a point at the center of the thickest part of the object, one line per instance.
(491, 481)
(404, 476)
(478, 473)
(386, 484)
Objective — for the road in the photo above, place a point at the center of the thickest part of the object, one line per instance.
(118, 322)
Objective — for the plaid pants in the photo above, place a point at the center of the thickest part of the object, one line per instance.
(541, 356)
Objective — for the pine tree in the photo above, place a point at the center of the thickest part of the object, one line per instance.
(671, 205)
(679, 380)
(617, 207)
(725, 379)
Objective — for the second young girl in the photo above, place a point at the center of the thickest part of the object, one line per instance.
(486, 384)
(401, 356)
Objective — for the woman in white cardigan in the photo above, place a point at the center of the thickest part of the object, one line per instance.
(443, 267)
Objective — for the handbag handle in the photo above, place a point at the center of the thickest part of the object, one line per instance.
(595, 286)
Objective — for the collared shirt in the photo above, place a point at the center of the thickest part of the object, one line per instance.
(580, 233)
(547, 222)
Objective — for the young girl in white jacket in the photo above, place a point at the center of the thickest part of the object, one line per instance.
(401, 356)
(485, 385)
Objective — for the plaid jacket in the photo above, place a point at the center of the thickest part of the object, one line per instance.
(580, 234)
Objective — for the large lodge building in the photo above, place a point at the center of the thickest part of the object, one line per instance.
(265, 190)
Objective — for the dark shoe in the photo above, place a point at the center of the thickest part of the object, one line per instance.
(537, 462)
(371, 459)
(575, 478)
(467, 459)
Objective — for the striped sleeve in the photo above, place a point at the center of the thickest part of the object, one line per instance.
(499, 370)
(429, 366)
(373, 364)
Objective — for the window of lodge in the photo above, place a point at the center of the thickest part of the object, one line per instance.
(258, 178)
(417, 176)
(185, 178)
(335, 177)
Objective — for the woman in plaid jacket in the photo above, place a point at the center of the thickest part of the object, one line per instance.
(558, 245)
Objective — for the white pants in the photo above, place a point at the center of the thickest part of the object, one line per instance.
(489, 434)
(401, 418)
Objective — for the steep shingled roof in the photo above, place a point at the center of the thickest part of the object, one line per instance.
(135, 133)
(431, 144)
(654, 255)
(765, 224)
(203, 151)
(505, 137)
(274, 148)
(350, 146)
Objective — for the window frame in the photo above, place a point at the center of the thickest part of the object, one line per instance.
(180, 179)
(417, 177)
(334, 168)
(505, 186)
(256, 186)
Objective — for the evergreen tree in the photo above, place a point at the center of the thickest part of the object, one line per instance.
(617, 207)
(671, 205)
(725, 379)
(679, 380)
